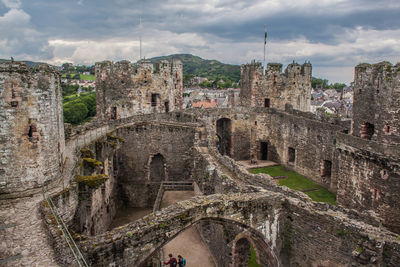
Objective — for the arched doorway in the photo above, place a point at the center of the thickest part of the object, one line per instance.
(248, 248)
(157, 168)
(224, 136)
(241, 253)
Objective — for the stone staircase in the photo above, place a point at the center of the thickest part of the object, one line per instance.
(178, 186)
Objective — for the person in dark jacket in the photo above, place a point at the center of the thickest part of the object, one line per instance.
(172, 261)
(181, 261)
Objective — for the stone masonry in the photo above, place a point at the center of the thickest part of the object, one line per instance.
(124, 90)
(32, 129)
(276, 89)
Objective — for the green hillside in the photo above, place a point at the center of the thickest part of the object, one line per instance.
(30, 64)
(196, 66)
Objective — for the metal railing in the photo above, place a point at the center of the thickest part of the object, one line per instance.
(80, 260)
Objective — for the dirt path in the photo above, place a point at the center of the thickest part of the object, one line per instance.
(188, 243)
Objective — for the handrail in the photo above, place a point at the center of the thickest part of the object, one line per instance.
(159, 197)
(66, 234)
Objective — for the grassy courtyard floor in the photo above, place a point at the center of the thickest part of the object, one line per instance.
(298, 182)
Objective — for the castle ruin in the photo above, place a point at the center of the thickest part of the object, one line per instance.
(141, 139)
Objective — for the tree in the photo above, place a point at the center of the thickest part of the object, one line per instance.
(90, 102)
(68, 89)
(75, 112)
(317, 81)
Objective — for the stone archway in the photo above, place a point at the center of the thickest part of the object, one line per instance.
(224, 136)
(248, 237)
(241, 250)
(157, 168)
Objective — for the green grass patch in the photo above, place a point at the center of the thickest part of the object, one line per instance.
(82, 76)
(88, 77)
(253, 259)
(298, 182)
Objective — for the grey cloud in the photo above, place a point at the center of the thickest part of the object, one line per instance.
(218, 23)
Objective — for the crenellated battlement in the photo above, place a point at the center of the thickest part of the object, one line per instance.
(276, 88)
(127, 89)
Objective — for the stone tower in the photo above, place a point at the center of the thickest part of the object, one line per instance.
(124, 90)
(376, 113)
(32, 130)
(276, 89)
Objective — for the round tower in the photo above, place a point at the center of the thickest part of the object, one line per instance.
(32, 130)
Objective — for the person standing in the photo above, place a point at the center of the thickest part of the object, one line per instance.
(172, 261)
(181, 261)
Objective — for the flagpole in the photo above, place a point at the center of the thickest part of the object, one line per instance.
(265, 42)
(140, 36)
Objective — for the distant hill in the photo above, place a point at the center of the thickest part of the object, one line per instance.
(30, 64)
(196, 66)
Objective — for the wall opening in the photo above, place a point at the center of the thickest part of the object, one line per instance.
(154, 99)
(166, 103)
(326, 168)
(242, 252)
(224, 136)
(291, 155)
(266, 103)
(367, 130)
(157, 168)
(386, 129)
(33, 134)
(263, 150)
(114, 113)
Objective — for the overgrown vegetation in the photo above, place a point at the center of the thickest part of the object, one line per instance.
(92, 180)
(298, 182)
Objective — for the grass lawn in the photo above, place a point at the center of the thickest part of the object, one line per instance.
(253, 261)
(298, 182)
(88, 77)
(82, 77)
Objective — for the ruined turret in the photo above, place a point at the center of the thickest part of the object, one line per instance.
(274, 88)
(376, 104)
(124, 90)
(32, 130)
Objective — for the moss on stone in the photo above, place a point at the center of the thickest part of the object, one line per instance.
(92, 180)
(92, 162)
(87, 153)
(163, 225)
(129, 234)
(115, 137)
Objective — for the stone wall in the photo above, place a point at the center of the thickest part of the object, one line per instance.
(97, 186)
(313, 142)
(274, 88)
(173, 142)
(123, 90)
(292, 231)
(32, 130)
(368, 177)
(376, 102)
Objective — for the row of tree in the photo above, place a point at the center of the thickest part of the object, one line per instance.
(324, 84)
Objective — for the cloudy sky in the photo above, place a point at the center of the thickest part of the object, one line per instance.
(335, 35)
